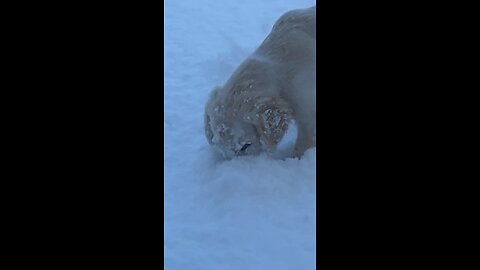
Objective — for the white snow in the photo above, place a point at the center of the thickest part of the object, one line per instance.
(246, 213)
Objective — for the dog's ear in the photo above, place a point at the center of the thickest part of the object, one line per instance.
(209, 109)
(274, 115)
(208, 128)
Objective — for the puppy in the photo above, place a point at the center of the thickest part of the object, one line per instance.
(274, 86)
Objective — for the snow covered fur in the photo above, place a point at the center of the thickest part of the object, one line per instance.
(276, 84)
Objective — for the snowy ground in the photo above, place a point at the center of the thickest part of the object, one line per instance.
(247, 213)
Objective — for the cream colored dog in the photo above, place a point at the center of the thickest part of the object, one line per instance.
(275, 85)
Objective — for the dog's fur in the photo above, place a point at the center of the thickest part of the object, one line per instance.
(275, 85)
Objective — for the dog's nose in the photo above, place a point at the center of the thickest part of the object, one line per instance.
(245, 146)
(241, 150)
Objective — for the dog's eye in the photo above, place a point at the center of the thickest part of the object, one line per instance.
(245, 146)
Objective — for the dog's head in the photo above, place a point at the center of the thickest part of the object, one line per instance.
(243, 125)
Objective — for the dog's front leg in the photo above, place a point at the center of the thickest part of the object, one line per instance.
(306, 138)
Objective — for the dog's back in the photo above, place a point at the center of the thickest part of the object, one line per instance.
(300, 19)
(292, 39)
